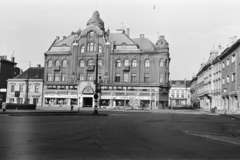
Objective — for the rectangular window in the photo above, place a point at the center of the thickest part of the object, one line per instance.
(36, 89)
(125, 77)
(81, 77)
(56, 77)
(172, 95)
(233, 77)
(182, 95)
(134, 77)
(146, 77)
(227, 79)
(21, 88)
(11, 100)
(117, 78)
(233, 58)
(161, 78)
(90, 77)
(12, 88)
(63, 77)
(223, 65)
(49, 77)
(227, 62)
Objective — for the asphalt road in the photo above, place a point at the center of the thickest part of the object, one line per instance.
(120, 135)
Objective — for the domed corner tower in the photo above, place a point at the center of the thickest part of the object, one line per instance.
(96, 20)
(162, 45)
(163, 56)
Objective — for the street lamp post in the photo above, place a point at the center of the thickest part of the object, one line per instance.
(95, 111)
(27, 84)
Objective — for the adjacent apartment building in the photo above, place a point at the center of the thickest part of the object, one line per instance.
(130, 71)
(217, 84)
(8, 70)
(179, 94)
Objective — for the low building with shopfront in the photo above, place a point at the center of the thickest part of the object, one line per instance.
(131, 72)
(26, 87)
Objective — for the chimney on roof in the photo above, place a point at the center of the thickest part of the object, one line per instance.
(38, 65)
(141, 35)
(64, 37)
(128, 31)
(57, 37)
(12, 59)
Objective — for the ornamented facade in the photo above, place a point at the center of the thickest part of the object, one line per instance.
(217, 82)
(131, 72)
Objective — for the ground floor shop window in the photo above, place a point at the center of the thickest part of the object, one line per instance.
(61, 101)
(145, 103)
(50, 101)
(104, 102)
(73, 101)
(119, 103)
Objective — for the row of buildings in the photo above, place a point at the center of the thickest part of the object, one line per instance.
(217, 83)
(129, 71)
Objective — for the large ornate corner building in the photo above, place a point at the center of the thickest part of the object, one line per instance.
(131, 72)
(217, 84)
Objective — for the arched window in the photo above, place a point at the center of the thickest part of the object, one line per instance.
(81, 63)
(147, 63)
(82, 49)
(50, 63)
(57, 63)
(91, 47)
(166, 63)
(118, 63)
(64, 63)
(161, 62)
(126, 62)
(100, 49)
(134, 63)
(90, 62)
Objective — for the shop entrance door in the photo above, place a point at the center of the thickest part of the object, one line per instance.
(87, 102)
(35, 100)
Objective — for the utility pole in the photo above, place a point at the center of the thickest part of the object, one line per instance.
(95, 112)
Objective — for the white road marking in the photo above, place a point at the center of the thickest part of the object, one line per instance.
(218, 137)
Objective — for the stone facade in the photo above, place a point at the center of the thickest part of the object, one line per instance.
(131, 72)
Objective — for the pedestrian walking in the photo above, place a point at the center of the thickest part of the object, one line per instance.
(4, 105)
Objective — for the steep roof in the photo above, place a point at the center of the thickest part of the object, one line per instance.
(144, 44)
(67, 41)
(180, 83)
(32, 73)
(120, 38)
(6, 60)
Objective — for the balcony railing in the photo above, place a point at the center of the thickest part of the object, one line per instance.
(56, 68)
(90, 68)
(126, 68)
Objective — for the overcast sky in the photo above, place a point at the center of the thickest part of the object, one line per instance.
(191, 27)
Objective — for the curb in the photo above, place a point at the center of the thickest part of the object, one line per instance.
(226, 115)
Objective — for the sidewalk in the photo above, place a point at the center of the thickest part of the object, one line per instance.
(235, 114)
